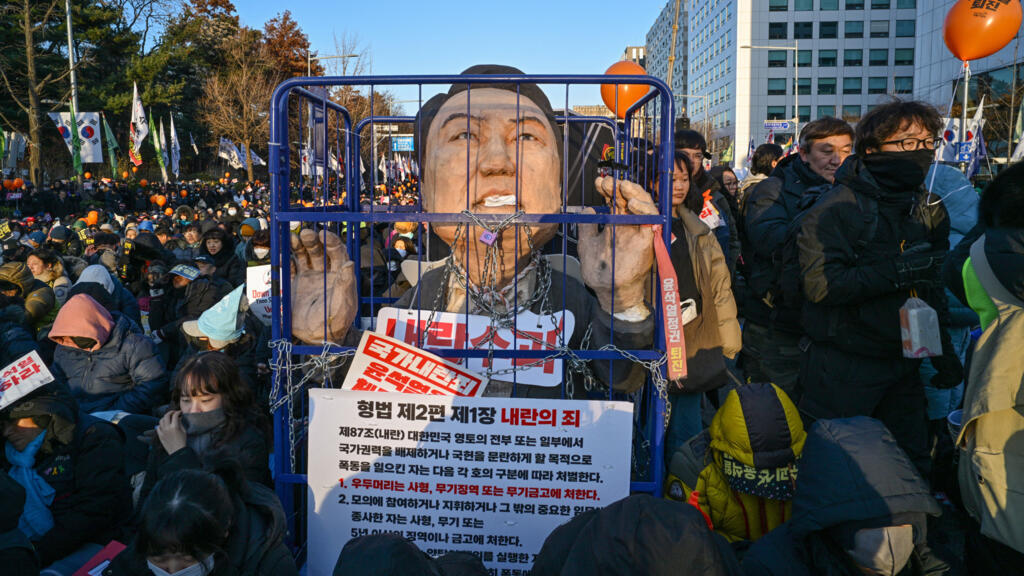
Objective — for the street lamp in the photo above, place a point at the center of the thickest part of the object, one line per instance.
(796, 80)
(310, 58)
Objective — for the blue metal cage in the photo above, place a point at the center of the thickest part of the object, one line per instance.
(337, 204)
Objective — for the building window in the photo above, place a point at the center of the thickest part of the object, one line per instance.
(878, 85)
(879, 28)
(777, 30)
(803, 86)
(803, 30)
(827, 58)
(778, 5)
(825, 30)
(880, 4)
(854, 29)
(904, 57)
(903, 84)
(826, 111)
(828, 5)
(853, 57)
(776, 86)
(852, 85)
(851, 113)
(826, 86)
(776, 59)
(805, 113)
(878, 57)
(803, 5)
(904, 28)
(854, 4)
(906, 3)
(803, 58)
(776, 113)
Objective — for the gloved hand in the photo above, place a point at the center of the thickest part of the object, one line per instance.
(919, 267)
(949, 371)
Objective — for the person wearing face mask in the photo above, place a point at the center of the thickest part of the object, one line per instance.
(772, 331)
(212, 410)
(873, 240)
(208, 523)
(71, 467)
(859, 508)
(257, 252)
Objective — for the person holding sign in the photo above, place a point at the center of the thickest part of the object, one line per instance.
(507, 136)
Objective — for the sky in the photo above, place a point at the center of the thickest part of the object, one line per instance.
(448, 36)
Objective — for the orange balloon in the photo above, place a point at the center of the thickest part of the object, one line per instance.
(88, 175)
(245, 203)
(8, 184)
(124, 175)
(92, 218)
(135, 169)
(971, 33)
(169, 211)
(161, 200)
(619, 97)
(184, 193)
(227, 174)
(144, 182)
(18, 183)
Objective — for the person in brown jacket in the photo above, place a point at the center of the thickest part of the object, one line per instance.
(710, 328)
(16, 279)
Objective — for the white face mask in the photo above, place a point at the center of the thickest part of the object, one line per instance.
(198, 569)
(261, 252)
(232, 211)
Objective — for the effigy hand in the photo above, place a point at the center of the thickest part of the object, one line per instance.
(324, 300)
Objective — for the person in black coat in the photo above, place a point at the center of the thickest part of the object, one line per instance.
(856, 493)
(81, 459)
(219, 245)
(212, 410)
(17, 555)
(16, 338)
(230, 526)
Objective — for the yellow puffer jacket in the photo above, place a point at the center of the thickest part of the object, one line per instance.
(746, 485)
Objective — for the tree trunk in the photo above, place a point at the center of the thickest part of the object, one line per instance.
(248, 158)
(35, 136)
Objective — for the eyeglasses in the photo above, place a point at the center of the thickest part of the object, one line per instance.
(912, 144)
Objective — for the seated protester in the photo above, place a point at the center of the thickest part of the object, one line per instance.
(63, 241)
(48, 267)
(16, 338)
(106, 364)
(860, 507)
(17, 555)
(218, 245)
(246, 230)
(191, 236)
(741, 471)
(230, 327)
(105, 251)
(16, 279)
(191, 293)
(636, 535)
(217, 524)
(500, 279)
(212, 409)
(711, 330)
(71, 466)
(121, 300)
(257, 251)
(989, 443)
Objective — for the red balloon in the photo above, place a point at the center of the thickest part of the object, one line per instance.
(619, 97)
(971, 33)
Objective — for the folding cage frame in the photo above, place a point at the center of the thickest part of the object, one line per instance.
(339, 206)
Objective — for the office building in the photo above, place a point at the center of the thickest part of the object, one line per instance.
(659, 46)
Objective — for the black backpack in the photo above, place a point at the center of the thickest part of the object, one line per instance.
(787, 289)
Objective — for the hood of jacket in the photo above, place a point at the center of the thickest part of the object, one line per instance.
(99, 274)
(852, 471)
(1004, 248)
(54, 401)
(83, 316)
(19, 274)
(759, 426)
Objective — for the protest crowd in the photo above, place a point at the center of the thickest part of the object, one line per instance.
(811, 435)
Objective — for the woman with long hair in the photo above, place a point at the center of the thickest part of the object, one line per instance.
(212, 409)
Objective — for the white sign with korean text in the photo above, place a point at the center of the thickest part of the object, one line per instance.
(257, 290)
(384, 364)
(492, 476)
(460, 331)
(21, 377)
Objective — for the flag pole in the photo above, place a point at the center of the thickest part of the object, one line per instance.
(75, 144)
(1013, 93)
